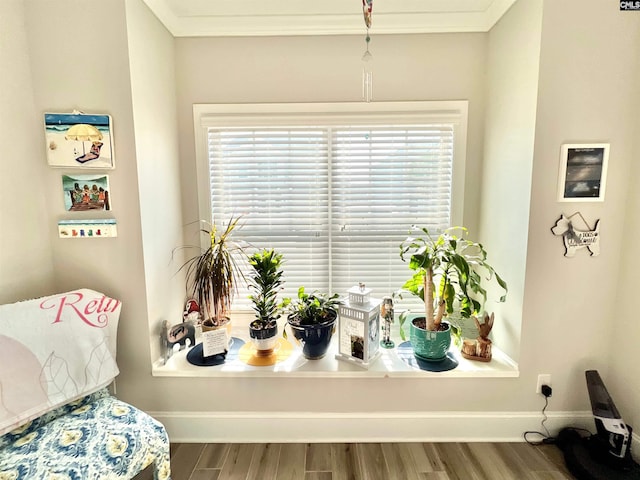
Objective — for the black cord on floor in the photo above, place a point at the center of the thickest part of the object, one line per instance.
(546, 437)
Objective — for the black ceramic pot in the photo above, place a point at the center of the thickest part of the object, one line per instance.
(315, 339)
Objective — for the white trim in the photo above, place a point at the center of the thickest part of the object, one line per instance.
(258, 427)
(336, 17)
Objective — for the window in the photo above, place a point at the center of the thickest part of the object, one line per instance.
(334, 187)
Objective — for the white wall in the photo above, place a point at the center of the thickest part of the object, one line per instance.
(26, 265)
(74, 70)
(563, 300)
(588, 81)
(329, 69)
(153, 85)
(512, 92)
(586, 84)
(622, 380)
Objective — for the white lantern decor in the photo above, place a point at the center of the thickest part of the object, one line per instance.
(359, 327)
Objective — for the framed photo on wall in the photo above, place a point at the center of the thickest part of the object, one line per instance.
(79, 140)
(583, 172)
(86, 192)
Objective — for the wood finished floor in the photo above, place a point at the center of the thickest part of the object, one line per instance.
(366, 461)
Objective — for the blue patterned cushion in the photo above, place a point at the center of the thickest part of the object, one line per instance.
(36, 423)
(95, 438)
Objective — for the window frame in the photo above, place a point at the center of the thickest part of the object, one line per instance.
(295, 114)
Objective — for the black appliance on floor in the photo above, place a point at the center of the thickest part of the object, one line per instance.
(607, 454)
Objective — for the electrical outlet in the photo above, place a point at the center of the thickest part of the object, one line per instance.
(543, 379)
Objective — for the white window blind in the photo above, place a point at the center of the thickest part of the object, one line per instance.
(336, 200)
(278, 179)
(383, 180)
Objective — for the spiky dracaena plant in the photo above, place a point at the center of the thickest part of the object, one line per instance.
(214, 274)
(455, 263)
(265, 283)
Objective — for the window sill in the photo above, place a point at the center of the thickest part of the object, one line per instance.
(387, 365)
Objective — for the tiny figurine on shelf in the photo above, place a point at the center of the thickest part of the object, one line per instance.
(479, 349)
(177, 335)
(180, 333)
(386, 312)
(192, 312)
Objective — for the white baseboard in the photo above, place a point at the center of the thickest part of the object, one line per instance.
(260, 427)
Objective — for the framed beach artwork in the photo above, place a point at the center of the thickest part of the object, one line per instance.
(583, 172)
(78, 140)
(86, 192)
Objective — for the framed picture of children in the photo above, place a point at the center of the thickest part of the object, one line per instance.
(86, 192)
(78, 140)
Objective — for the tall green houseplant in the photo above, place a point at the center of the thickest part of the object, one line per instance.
(447, 274)
(214, 274)
(266, 282)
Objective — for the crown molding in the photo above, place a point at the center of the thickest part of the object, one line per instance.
(223, 18)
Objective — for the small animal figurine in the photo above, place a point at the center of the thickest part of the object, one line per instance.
(180, 333)
(484, 328)
(483, 349)
(480, 348)
(177, 335)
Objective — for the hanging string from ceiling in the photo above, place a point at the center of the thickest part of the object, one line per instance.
(367, 74)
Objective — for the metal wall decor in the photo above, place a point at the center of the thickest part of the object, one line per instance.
(575, 239)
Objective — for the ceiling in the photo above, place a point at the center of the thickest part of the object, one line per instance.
(190, 18)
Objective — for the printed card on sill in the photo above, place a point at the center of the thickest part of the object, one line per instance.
(215, 342)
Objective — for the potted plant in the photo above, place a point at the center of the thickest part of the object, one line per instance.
(312, 318)
(265, 283)
(214, 273)
(447, 276)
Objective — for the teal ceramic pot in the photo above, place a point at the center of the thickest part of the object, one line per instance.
(430, 346)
